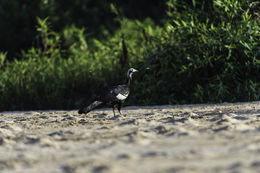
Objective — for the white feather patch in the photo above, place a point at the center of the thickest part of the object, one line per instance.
(121, 97)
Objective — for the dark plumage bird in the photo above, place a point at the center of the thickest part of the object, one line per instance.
(114, 96)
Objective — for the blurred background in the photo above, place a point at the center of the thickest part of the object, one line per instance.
(58, 54)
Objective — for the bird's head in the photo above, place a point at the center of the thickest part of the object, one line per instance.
(130, 72)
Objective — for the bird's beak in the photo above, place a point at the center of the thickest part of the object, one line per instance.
(134, 70)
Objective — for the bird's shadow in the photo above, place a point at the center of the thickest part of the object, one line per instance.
(103, 115)
(114, 117)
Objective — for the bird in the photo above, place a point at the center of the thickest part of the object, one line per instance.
(114, 96)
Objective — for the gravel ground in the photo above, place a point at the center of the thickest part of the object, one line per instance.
(187, 138)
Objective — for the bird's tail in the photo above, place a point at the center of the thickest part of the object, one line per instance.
(90, 107)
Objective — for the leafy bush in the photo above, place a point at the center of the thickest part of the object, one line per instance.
(17, 18)
(197, 56)
(205, 59)
(69, 70)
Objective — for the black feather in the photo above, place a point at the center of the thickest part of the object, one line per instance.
(90, 107)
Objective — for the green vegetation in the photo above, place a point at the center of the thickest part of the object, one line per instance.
(200, 52)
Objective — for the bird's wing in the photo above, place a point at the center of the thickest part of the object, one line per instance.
(119, 92)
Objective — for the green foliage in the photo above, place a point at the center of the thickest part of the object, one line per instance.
(197, 56)
(205, 60)
(2, 59)
(68, 70)
(17, 18)
(50, 40)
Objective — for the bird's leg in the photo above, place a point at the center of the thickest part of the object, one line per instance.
(119, 107)
(114, 110)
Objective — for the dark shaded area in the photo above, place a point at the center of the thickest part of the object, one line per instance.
(18, 18)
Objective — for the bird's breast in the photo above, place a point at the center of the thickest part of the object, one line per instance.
(121, 96)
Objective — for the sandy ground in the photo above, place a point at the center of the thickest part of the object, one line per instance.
(188, 138)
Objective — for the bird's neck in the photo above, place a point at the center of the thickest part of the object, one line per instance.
(128, 81)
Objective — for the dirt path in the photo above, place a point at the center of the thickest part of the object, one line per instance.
(188, 138)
